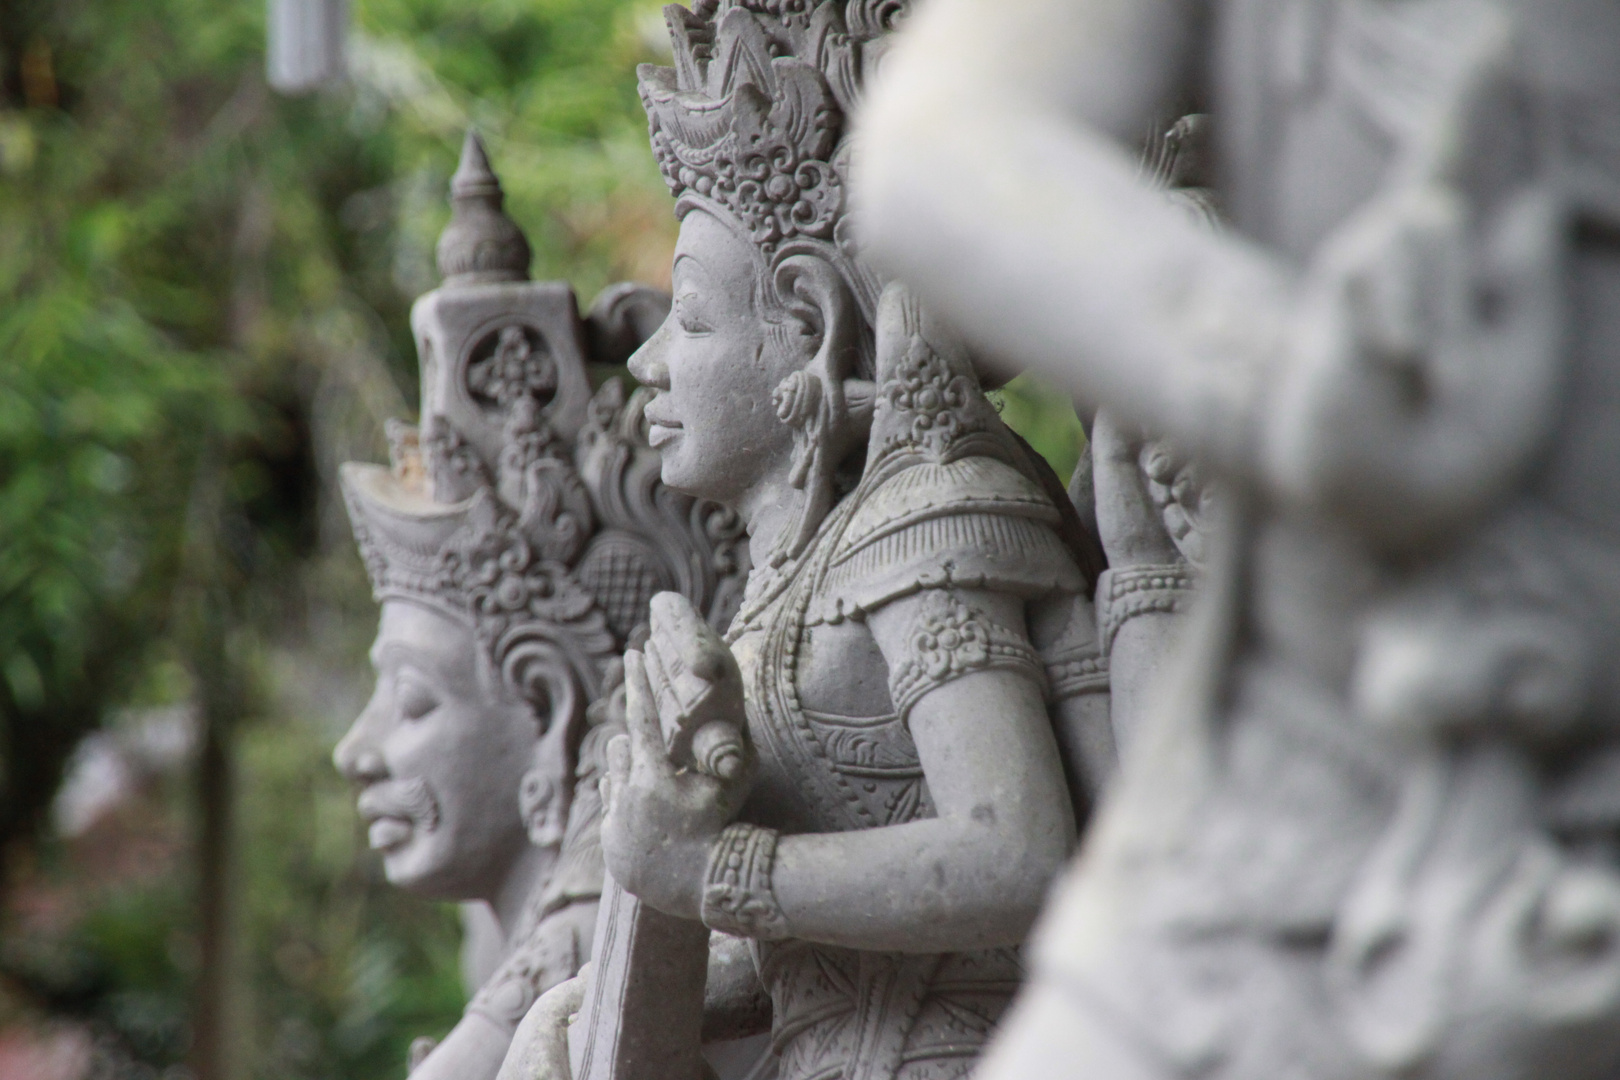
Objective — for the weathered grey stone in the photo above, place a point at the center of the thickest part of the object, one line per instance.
(1373, 831)
(918, 616)
(513, 545)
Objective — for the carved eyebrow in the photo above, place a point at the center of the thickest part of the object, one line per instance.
(398, 651)
(687, 257)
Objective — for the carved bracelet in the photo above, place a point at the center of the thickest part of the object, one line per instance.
(737, 895)
(1125, 593)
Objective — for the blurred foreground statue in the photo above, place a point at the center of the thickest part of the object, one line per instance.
(1374, 834)
(863, 780)
(514, 546)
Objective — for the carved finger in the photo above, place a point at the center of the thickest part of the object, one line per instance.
(671, 711)
(647, 753)
(1113, 442)
(1129, 522)
(618, 774)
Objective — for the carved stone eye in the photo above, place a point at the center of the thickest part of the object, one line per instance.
(509, 363)
(415, 700)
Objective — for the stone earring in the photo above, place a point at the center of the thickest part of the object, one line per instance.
(544, 812)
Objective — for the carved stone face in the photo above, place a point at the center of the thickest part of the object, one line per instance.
(439, 755)
(716, 362)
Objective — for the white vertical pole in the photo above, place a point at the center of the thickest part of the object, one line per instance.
(306, 43)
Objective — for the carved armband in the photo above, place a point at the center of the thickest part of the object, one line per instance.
(1074, 660)
(1125, 593)
(737, 896)
(949, 639)
(1076, 673)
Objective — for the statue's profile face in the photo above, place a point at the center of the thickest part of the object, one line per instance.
(716, 362)
(439, 755)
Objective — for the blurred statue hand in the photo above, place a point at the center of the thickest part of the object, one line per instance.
(680, 775)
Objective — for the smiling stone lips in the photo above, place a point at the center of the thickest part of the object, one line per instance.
(395, 808)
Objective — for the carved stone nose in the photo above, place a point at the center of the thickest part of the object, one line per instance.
(369, 766)
(647, 363)
(360, 765)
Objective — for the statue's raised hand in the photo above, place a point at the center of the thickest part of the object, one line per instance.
(1130, 521)
(679, 776)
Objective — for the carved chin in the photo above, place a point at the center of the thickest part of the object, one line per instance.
(410, 857)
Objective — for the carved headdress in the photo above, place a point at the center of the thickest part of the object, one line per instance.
(751, 121)
(525, 506)
(750, 125)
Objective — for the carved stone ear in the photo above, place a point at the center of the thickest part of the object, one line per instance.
(557, 682)
(815, 293)
(811, 400)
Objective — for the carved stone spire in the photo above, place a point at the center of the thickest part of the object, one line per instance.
(481, 244)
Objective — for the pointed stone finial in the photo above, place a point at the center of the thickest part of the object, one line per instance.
(481, 243)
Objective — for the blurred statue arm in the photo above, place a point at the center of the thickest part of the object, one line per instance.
(998, 176)
(1400, 384)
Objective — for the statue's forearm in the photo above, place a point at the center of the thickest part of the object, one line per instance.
(927, 886)
(972, 877)
(1140, 666)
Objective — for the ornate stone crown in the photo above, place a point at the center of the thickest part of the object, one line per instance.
(751, 119)
(525, 506)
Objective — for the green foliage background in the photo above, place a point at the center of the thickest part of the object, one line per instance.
(204, 291)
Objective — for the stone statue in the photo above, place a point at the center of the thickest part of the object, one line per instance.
(916, 640)
(513, 545)
(1373, 831)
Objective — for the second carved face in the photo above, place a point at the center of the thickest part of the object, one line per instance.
(440, 754)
